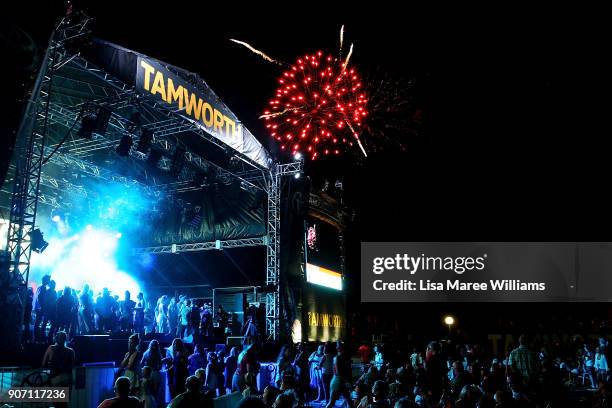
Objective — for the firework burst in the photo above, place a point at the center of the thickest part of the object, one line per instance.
(318, 108)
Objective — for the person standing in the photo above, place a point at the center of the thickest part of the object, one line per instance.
(49, 310)
(185, 310)
(342, 375)
(197, 359)
(126, 308)
(173, 316)
(327, 369)
(152, 358)
(131, 362)
(63, 312)
(178, 368)
(316, 381)
(39, 309)
(231, 362)
(138, 318)
(87, 323)
(105, 311)
(523, 361)
(161, 314)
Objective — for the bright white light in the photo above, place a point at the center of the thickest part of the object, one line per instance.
(324, 277)
(297, 175)
(297, 156)
(89, 227)
(118, 235)
(449, 320)
(85, 258)
(56, 218)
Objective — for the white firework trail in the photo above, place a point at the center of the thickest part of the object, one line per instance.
(275, 114)
(356, 137)
(348, 57)
(341, 39)
(257, 52)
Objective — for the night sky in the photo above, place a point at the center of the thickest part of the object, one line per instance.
(507, 148)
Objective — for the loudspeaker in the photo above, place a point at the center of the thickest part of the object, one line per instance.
(91, 349)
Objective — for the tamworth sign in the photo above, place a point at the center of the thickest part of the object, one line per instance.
(191, 102)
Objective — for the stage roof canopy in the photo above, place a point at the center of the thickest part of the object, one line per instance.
(201, 171)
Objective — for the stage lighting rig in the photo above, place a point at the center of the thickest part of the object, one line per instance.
(144, 142)
(37, 241)
(124, 145)
(178, 161)
(154, 158)
(94, 121)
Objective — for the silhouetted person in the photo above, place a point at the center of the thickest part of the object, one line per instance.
(86, 311)
(191, 398)
(50, 309)
(41, 320)
(126, 308)
(59, 360)
(105, 305)
(122, 397)
(63, 312)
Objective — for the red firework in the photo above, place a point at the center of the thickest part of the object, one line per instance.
(318, 108)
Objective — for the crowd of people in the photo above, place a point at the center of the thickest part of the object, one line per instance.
(79, 312)
(442, 375)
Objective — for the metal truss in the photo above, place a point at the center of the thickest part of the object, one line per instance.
(273, 257)
(203, 246)
(66, 116)
(176, 124)
(273, 247)
(29, 153)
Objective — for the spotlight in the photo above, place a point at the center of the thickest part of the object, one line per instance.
(144, 142)
(37, 241)
(124, 145)
(94, 121)
(154, 158)
(102, 117)
(178, 161)
(56, 218)
(297, 156)
(297, 175)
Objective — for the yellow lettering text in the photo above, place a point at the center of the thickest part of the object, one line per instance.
(158, 85)
(148, 71)
(175, 94)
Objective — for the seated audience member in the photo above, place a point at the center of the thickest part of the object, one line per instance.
(59, 359)
(251, 402)
(269, 395)
(122, 397)
(192, 397)
(284, 401)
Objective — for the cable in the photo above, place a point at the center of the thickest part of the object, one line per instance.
(62, 141)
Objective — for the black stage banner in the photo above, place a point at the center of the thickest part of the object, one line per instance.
(182, 90)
